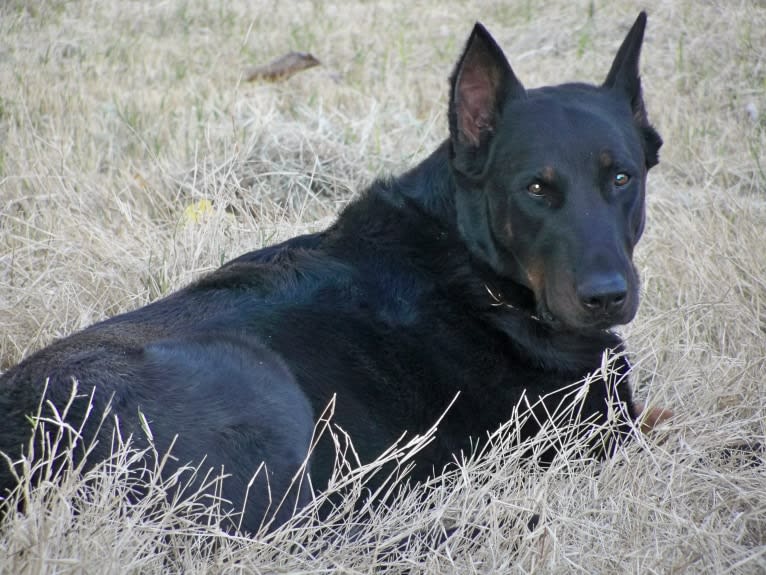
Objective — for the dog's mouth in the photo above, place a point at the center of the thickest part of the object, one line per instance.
(562, 318)
(573, 320)
(568, 317)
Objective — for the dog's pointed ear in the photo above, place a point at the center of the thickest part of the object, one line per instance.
(624, 75)
(480, 85)
(625, 79)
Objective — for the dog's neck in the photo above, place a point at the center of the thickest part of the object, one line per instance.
(432, 187)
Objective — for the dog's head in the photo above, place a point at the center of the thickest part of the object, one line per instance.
(551, 181)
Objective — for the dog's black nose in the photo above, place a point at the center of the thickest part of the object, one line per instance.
(603, 293)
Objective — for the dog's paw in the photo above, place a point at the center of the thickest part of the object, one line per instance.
(650, 417)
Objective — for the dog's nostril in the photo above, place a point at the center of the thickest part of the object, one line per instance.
(606, 302)
(604, 293)
(593, 302)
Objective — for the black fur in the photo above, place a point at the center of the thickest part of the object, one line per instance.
(495, 268)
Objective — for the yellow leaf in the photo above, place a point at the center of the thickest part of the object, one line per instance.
(198, 211)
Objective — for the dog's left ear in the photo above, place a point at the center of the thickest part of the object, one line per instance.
(625, 79)
(480, 85)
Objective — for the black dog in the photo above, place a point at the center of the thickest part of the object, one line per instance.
(494, 268)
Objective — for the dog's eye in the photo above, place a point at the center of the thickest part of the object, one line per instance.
(621, 179)
(537, 190)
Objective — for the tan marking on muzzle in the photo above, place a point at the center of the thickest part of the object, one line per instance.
(508, 229)
(536, 277)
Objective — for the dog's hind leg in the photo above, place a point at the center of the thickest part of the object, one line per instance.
(234, 402)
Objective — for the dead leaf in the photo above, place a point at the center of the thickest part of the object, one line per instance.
(282, 68)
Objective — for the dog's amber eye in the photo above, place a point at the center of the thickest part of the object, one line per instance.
(536, 189)
(621, 179)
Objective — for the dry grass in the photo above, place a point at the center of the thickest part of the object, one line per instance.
(115, 117)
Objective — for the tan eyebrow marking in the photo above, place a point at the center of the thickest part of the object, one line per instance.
(548, 174)
(605, 159)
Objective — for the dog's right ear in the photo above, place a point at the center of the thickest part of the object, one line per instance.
(480, 85)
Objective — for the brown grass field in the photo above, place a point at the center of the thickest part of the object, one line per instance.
(133, 158)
